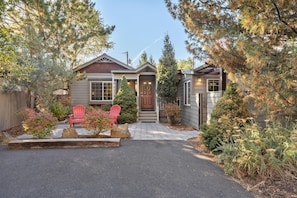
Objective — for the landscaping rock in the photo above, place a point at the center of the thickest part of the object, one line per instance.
(69, 133)
(120, 132)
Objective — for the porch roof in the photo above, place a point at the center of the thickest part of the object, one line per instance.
(147, 67)
(207, 69)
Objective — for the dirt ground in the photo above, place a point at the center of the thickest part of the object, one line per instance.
(276, 188)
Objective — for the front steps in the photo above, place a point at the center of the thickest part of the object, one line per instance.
(148, 116)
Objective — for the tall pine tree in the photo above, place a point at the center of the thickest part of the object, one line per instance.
(253, 40)
(167, 73)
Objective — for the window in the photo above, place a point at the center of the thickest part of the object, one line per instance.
(187, 93)
(213, 85)
(101, 90)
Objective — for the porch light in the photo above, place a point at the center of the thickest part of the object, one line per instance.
(198, 81)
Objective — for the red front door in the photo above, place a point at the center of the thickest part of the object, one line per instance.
(147, 95)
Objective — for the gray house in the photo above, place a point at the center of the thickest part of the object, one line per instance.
(198, 92)
(103, 80)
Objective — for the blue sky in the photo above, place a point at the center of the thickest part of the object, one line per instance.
(141, 25)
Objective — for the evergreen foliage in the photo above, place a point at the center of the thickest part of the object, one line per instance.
(253, 40)
(41, 41)
(143, 59)
(167, 73)
(127, 100)
(225, 116)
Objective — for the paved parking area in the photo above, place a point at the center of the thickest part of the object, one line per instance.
(137, 169)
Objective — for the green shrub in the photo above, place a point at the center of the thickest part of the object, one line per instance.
(127, 100)
(269, 152)
(38, 124)
(106, 107)
(225, 116)
(59, 110)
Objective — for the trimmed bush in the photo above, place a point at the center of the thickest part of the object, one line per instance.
(127, 100)
(225, 116)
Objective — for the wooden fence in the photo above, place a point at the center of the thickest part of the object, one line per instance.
(10, 105)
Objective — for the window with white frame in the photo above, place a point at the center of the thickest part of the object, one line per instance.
(100, 90)
(187, 93)
(213, 84)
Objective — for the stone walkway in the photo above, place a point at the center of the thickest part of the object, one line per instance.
(138, 131)
(157, 131)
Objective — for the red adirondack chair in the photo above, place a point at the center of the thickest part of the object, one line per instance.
(114, 113)
(78, 115)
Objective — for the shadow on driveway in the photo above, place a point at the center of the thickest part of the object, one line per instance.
(137, 169)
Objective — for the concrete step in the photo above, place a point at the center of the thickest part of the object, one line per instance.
(147, 116)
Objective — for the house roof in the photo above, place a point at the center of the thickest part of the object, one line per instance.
(207, 69)
(146, 67)
(103, 58)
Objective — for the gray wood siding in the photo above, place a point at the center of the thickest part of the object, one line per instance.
(212, 98)
(190, 114)
(80, 92)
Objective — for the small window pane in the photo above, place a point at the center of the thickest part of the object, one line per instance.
(187, 93)
(213, 85)
(101, 91)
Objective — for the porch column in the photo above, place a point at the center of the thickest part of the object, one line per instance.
(157, 99)
(113, 87)
(137, 95)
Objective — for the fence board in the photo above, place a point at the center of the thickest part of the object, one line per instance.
(10, 105)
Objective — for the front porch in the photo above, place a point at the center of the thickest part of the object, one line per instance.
(143, 83)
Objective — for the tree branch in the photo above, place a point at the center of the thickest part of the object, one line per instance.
(280, 17)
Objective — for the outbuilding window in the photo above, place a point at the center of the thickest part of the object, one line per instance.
(213, 85)
(187, 93)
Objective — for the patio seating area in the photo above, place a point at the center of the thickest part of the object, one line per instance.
(138, 131)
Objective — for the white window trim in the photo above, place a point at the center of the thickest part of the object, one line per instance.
(187, 93)
(207, 84)
(98, 81)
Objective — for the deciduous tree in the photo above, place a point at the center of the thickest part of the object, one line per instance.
(185, 63)
(46, 39)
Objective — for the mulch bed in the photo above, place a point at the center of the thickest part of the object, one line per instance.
(15, 131)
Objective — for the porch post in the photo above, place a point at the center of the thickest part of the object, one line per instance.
(157, 99)
(113, 87)
(137, 96)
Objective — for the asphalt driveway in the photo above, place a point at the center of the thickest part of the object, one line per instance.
(137, 169)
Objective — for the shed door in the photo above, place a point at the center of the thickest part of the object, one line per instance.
(147, 95)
